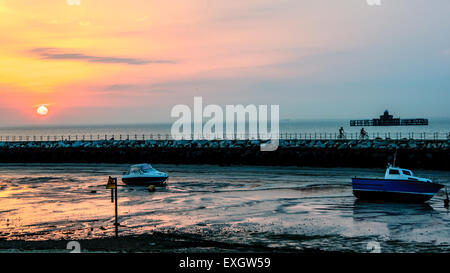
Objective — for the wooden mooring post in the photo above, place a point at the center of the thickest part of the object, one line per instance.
(112, 184)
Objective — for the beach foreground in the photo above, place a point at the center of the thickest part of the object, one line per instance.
(211, 208)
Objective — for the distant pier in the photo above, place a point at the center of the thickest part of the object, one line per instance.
(388, 120)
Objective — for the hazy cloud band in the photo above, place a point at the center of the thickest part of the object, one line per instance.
(57, 54)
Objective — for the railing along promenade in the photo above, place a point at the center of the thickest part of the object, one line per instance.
(288, 136)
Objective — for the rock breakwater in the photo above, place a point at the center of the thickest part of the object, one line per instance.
(426, 154)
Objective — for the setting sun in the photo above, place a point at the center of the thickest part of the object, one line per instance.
(42, 110)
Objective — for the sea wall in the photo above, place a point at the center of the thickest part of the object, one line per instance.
(422, 154)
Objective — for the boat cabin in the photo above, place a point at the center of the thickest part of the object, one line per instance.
(394, 173)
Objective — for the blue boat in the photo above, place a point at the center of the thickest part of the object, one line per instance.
(398, 185)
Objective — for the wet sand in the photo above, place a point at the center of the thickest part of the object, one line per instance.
(211, 208)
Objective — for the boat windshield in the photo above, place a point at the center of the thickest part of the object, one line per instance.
(146, 168)
(140, 169)
(408, 172)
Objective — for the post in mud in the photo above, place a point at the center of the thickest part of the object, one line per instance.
(112, 184)
(446, 200)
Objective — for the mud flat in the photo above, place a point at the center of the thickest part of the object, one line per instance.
(417, 154)
(146, 243)
(211, 208)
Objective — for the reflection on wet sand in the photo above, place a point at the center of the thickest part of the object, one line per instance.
(416, 223)
(284, 208)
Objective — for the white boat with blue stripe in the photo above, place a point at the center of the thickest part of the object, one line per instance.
(144, 174)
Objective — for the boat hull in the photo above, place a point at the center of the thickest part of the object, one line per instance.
(145, 181)
(394, 190)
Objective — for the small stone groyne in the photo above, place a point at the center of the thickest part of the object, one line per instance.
(375, 153)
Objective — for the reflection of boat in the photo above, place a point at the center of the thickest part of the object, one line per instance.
(406, 224)
(144, 174)
(399, 185)
(363, 209)
(394, 214)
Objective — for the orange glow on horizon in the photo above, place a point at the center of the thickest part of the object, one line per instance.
(108, 54)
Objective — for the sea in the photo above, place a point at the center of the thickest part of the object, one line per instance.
(303, 128)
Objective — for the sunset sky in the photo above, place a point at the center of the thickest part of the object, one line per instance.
(115, 61)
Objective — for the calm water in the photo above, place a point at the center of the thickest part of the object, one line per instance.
(441, 126)
(276, 207)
